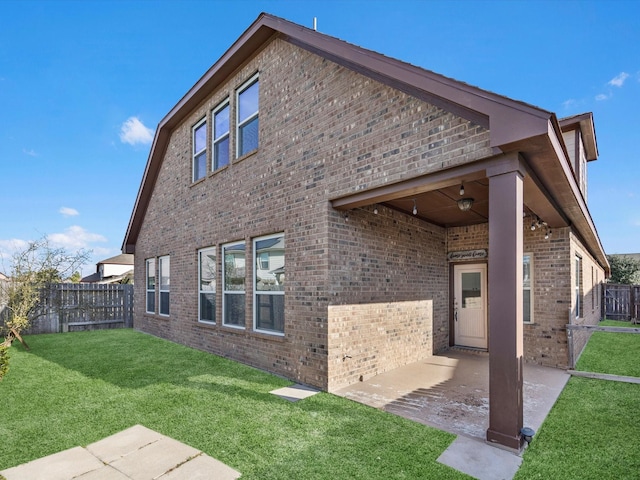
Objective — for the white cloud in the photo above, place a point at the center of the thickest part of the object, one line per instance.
(31, 152)
(569, 103)
(618, 80)
(603, 96)
(68, 212)
(75, 238)
(133, 132)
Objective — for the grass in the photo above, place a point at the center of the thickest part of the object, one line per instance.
(76, 388)
(592, 431)
(617, 323)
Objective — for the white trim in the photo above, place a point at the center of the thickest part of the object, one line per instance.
(531, 288)
(195, 154)
(262, 292)
(233, 292)
(215, 278)
(255, 78)
(160, 289)
(214, 140)
(146, 285)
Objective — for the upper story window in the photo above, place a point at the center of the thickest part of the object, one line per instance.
(165, 281)
(207, 285)
(247, 113)
(221, 136)
(151, 285)
(200, 150)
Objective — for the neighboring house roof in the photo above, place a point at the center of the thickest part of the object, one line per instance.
(514, 126)
(93, 278)
(3, 276)
(122, 259)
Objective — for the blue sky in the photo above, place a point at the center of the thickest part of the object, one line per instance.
(83, 85)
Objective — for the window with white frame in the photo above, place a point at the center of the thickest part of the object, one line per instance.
(233, 289)
(207, 285)
(199, 140)
(247, 117)
(221, 136)
(527, 281)
(578, 285)
(151, 285)
(268, 288)
(165, 281)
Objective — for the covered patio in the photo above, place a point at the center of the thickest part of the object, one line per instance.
(450, 391)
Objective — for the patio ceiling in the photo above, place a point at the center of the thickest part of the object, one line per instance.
(436, 197)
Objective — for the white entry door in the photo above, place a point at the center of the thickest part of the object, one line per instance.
(470, 305)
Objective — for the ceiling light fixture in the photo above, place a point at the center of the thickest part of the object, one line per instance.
(465, 204)
(415, 208)
(461, 189)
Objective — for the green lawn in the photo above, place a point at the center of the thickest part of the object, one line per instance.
(76, 388)
(593, 430)
(617, 323)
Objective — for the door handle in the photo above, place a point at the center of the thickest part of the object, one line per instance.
(455, 315)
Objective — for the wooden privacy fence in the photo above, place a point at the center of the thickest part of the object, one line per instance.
(68, 307)
(621, 302)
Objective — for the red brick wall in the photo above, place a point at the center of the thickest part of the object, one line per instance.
(545, 339)
(324, 131)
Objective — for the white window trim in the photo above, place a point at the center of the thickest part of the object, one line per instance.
(200, 291)
(159, 283)
(239, 92)
(147, 289)
(577, 286)
(255, 292)
(232, 292)
(194, 154)
(531, 284)
(214, 139)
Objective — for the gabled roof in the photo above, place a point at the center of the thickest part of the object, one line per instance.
(122, 259)
(584, 122)
(513, 125)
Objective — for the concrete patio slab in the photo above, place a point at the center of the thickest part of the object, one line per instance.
(116, 446)
(294, 393)
(450, 392)
(480, 460)
(137, 453)
(59, 466)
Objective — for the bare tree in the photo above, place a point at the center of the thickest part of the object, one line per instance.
(32, 269)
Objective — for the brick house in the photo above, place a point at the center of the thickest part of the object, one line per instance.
(410, 211)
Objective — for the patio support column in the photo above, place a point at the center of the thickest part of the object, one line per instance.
(505, 302)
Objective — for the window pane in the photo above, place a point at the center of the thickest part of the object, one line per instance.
(270, 254)
(221, 153)
(234, 309)
(526, 304)
(248, 137)
(270, 312)
(199, 166)
(164, 303)
(234, 268)
(208, 270)
(248, 102)
(164, 273)
(151, 274)
(208, 307)
(221, 122)
(200, 138)
(151, 301)
(471, 293)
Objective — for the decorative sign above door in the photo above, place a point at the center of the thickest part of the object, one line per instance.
(467, 255)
